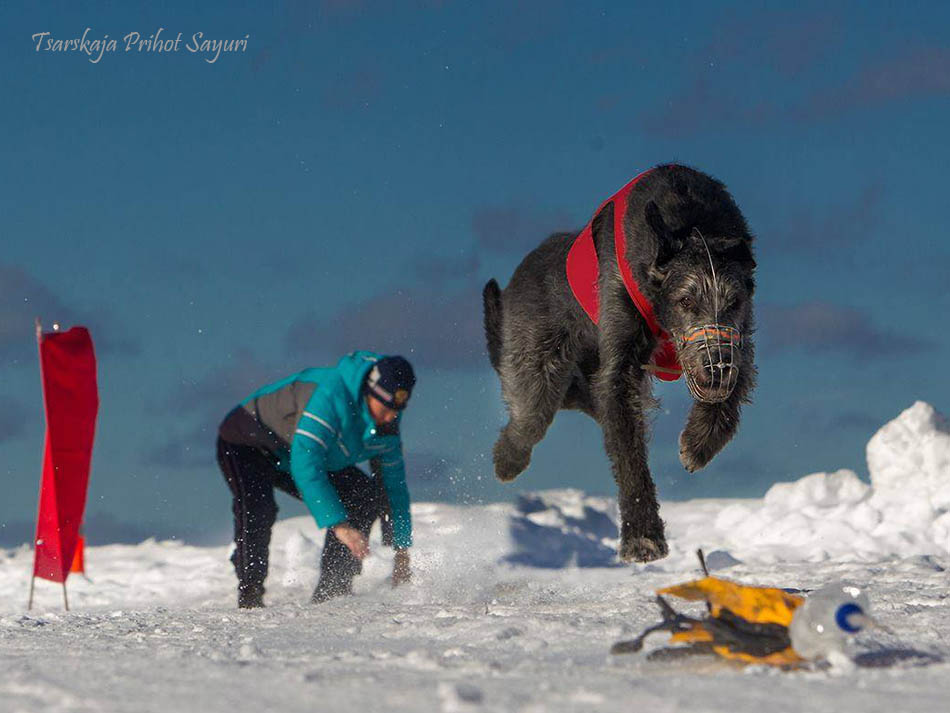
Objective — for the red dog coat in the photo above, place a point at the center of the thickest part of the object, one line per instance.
(583, 272)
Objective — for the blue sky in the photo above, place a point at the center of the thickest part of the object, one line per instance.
(354, 177)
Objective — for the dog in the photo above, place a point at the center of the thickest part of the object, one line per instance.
(659, 283)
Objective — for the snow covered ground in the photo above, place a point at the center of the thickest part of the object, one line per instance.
(512, 608)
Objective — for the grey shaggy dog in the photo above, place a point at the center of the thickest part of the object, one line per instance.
(690, 252)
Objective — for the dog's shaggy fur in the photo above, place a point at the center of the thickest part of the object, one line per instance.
(549, 355)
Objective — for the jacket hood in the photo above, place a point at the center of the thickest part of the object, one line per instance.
(353, 369)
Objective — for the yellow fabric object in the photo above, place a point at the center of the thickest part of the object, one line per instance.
(786, 657)
(759, 605)
(695, 635)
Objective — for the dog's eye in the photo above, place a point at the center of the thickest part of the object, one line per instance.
(686, 302)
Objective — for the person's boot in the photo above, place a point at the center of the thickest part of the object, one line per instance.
(250, 596)
(328, 588)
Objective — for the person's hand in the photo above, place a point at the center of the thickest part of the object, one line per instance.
(355, 541)
(401, 571)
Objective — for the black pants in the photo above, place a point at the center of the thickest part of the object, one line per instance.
(252, 474)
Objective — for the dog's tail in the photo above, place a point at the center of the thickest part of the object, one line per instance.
(491, 297)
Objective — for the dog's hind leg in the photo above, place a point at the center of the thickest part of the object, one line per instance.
(534, 379)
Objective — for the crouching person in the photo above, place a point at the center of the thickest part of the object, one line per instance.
(305, 435)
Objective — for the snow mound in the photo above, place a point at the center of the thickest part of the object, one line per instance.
(820, 516)
(904, 511)
(909, 462)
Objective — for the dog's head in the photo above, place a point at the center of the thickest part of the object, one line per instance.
(701, 287)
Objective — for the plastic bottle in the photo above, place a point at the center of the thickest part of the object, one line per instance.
(822, 626)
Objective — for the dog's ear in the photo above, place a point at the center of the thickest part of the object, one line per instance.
(742, 254)
(736, 250)
(667, 245)
(750, 285)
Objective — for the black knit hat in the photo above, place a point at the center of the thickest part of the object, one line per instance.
(390, 382)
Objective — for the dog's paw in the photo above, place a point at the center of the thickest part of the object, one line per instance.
(694, 455)
(510, 462)
(643, 549)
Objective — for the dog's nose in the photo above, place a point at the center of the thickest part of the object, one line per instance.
(719, 358)
(714, 375)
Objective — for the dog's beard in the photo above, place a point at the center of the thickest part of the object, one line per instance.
(709, 355)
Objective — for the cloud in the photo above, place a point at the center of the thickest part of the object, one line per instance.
(441, 269)
(704, 105)
(431, 328)
(218, 390)
(206, 401)
(801, 53)
(162, 264)
(813, 231)
(191, 449)
(438, 324)
(782, 42)
(511, 229)
(436, 321)
(11, 418)
(23, 298)
(515, 227)
(789, 42)
(919, 72)
(823, 327)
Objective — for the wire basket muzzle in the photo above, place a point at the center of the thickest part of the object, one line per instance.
(710, 356)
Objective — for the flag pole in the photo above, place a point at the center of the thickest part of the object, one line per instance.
(39, 334)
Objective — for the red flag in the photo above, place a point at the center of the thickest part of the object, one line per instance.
(79, 558)
(70, 396)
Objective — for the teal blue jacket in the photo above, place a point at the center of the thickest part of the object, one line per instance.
(323, 416)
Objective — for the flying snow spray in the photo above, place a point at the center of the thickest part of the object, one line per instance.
(830, 616)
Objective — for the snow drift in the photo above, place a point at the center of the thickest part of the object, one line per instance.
(904, 511)
(512, 608)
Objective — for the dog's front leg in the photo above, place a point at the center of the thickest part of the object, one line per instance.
(623, 396)
(709, 427)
